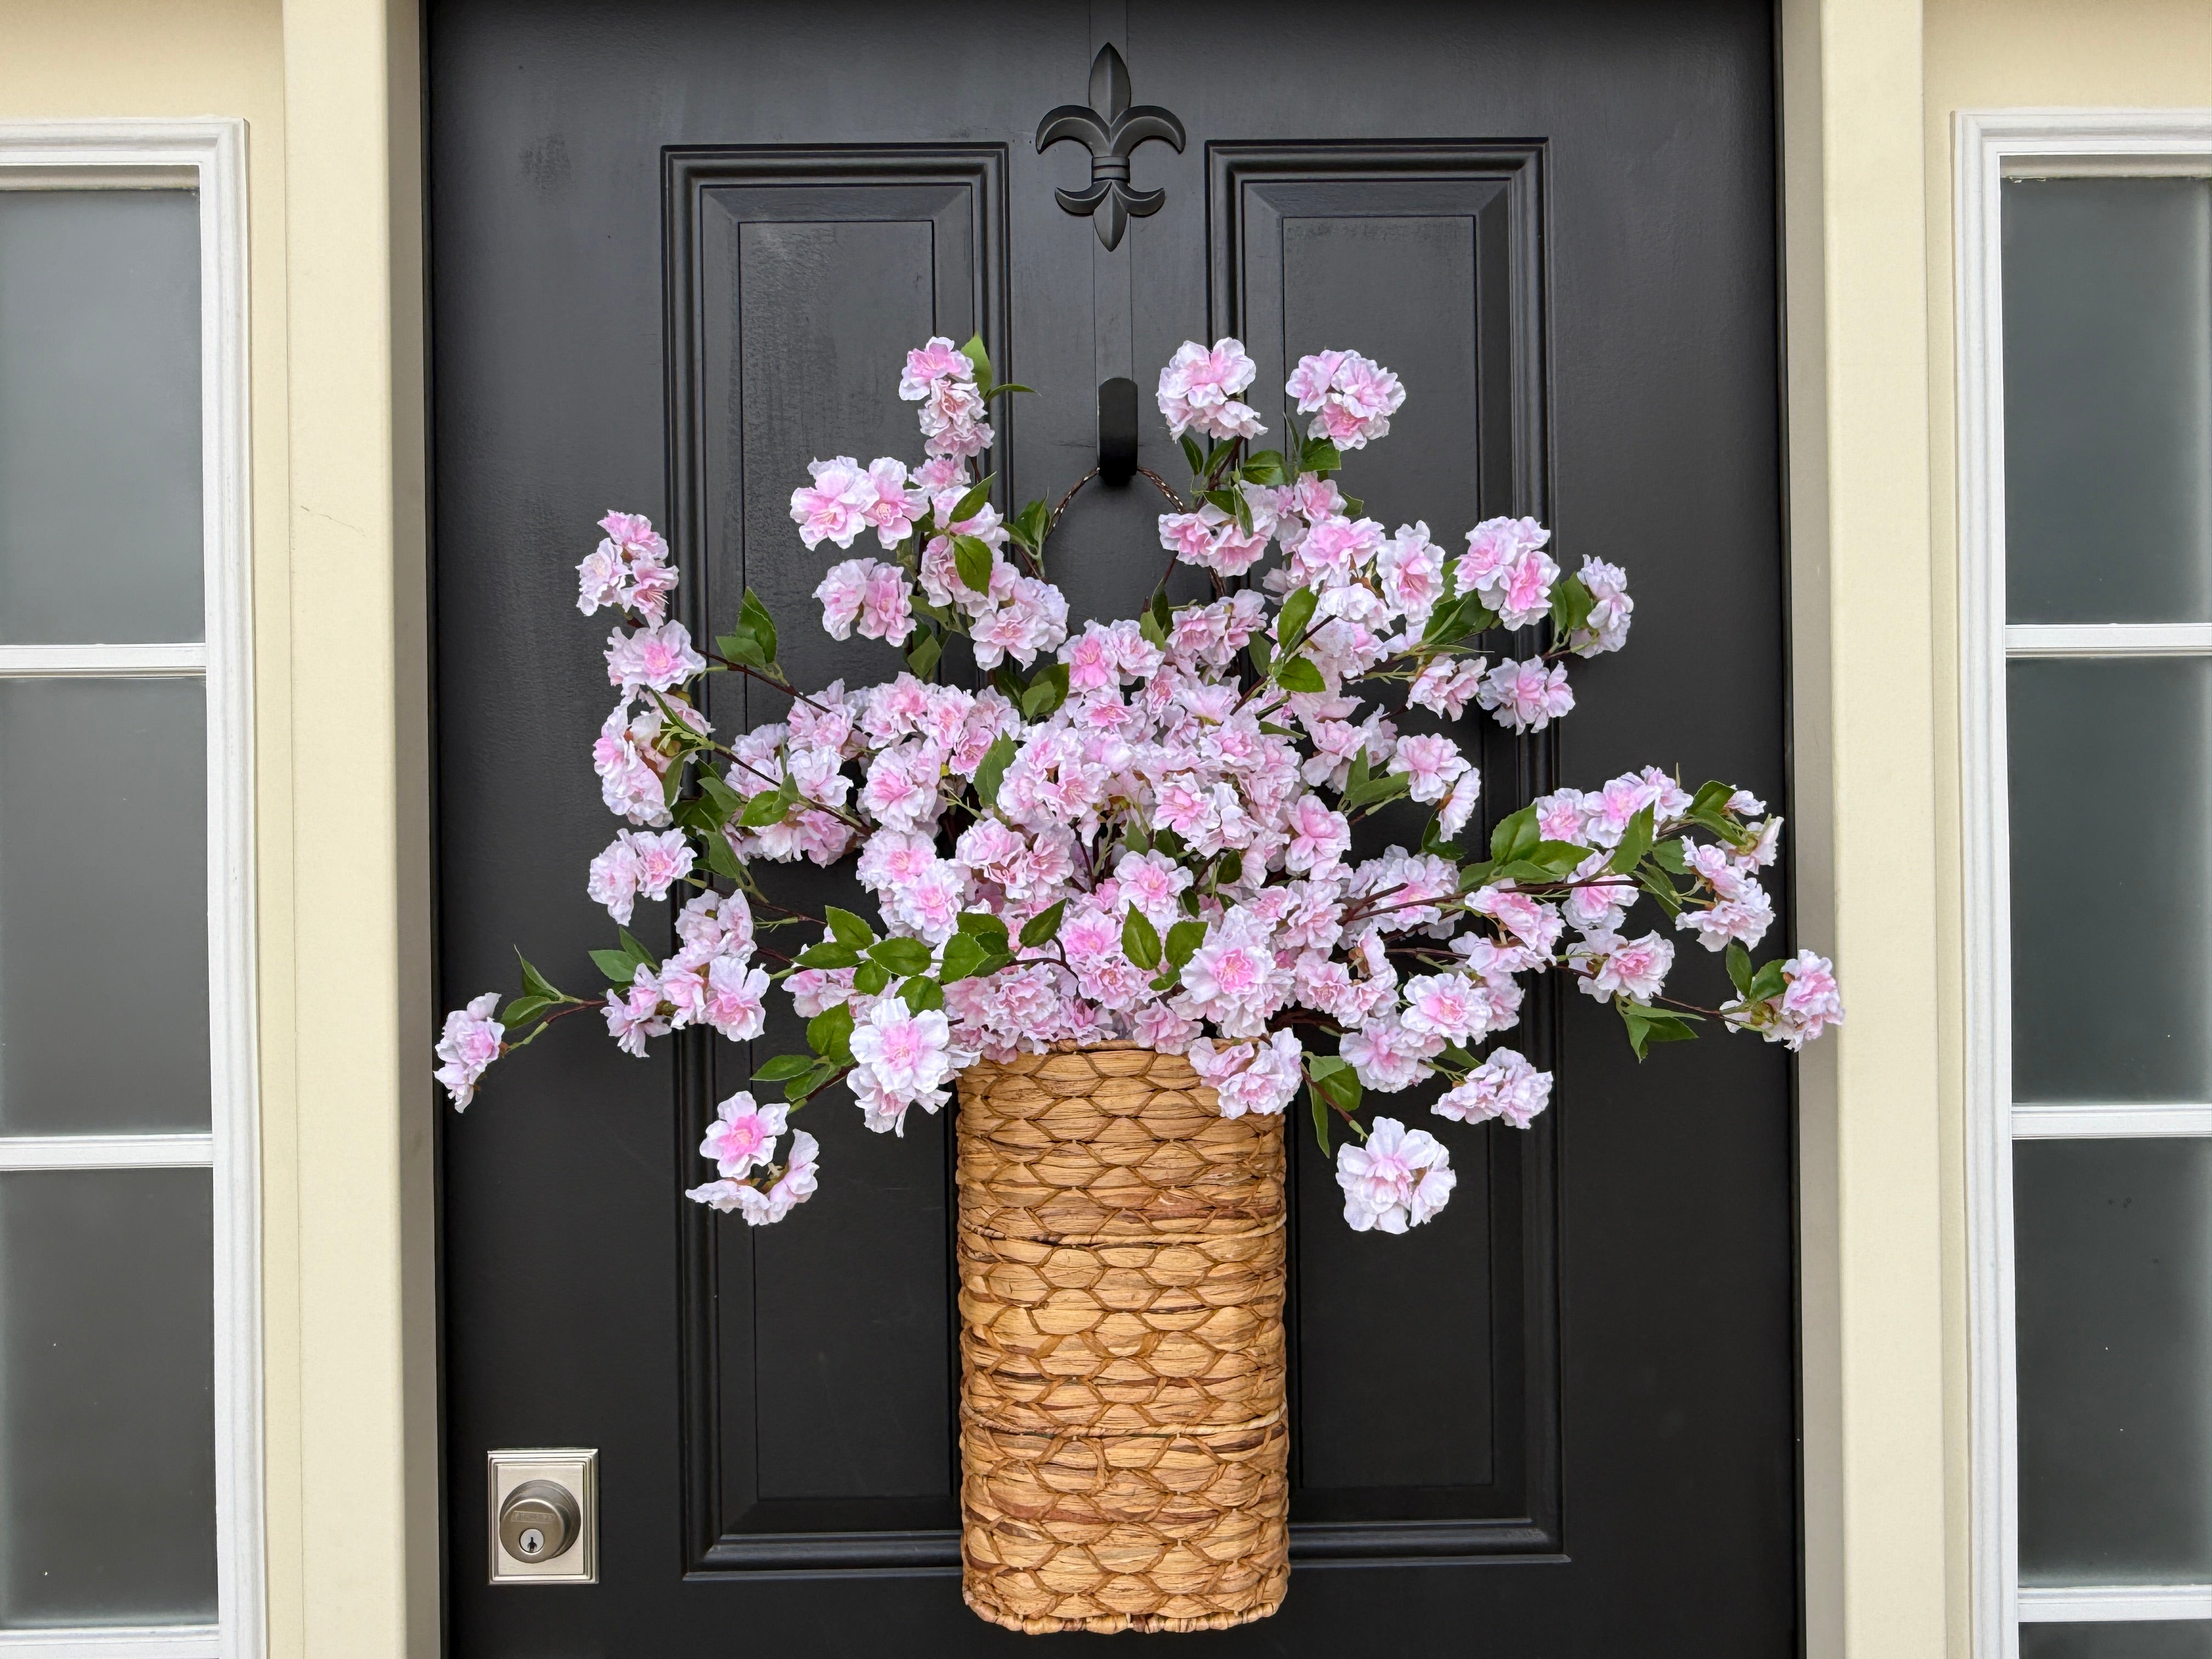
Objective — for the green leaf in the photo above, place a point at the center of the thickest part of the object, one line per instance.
(1319, 455)
(766, 808)
(902, 956)
(1229, 869)
(1141, 940)
(536, 983)
(991, 929)
(1670, 856)
(1170, 843)
(1263, 652)
(1042, 928)
(1768, 981)
(743, 645)
(829, 1033)
(1560, 856)
(1739, 968)
(1515, 833)
(1298, 611)
(782, 1067)
(1713, 796)
(1183, 939)
(1046, 693)
(1320, 1119)
(975, 354)
(1267, 467)
(972, 558)
(523, 1009)
(1376, 791)
(828, 956)
(927, 650)
(1647, 1025)
(722, 859)
(637, 952)
(726, 800)
(1635, 843)
(1299, 675)
(753, 617)
(1149, 626)
(872, 979)
(619, 966)
(849, 930)
(1030, 523)
(1340, 1084)
(1004, 387)
(991, 769)
(1443, 621)
(1571, 604)
(920, 995)
(964, 954)
(1662, 889)
(1193, 454)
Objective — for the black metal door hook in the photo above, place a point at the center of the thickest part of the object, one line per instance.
(1117, 430)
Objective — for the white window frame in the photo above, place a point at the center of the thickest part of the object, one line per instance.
(1991, 146)
(209, 156)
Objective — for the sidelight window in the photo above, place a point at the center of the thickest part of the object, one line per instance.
(129, 1342)
(2086, 495)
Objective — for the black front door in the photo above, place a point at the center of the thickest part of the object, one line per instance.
(680, 249)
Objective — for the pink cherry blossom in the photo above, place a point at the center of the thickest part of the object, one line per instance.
(1495, 544)
(735, 999)
(1526, 696)
(904, 1052)
(833, 507)
(890, 506)
(1810, 1004)
(1613, 966)
(659, 657)
(1535, 923)
(634, 1014)
(1198, 391)
(1448, 1005)
(1352, 396)
(1742, 920)
(1520, 590)
(470, 1043)
(1387, 1055)
(1250, 1077)
(1504, 1085)
(1447, 684)
(937, 360)
(742, 1134)
(1606, 628)
(1398, 1178)
(1433, 762)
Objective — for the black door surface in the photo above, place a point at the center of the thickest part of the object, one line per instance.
(678, 250)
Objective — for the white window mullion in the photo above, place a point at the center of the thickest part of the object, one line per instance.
(101, 661)
(2108, 640)
(2109, 1120)
(120, 1642)
(2077, 1604)
(130, 1151)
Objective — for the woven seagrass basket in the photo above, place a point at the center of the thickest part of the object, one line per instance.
(1123, 1443)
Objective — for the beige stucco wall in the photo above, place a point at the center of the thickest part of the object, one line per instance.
(85, 60)
(1981, 55)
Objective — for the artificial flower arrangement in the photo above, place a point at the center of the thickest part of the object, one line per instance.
(1145, 830)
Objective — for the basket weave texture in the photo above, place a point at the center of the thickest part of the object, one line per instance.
(1123, 1444)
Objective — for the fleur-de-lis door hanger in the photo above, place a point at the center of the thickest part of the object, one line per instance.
(1110, 128)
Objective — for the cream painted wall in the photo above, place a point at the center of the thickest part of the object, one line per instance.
(84, 59)
(2000, 54)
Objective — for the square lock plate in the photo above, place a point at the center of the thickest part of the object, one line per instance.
(577, 1469)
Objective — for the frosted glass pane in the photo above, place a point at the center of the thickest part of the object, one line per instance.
(2151, 1639)
(103, 906)
(100, 415)
(2113, 1304)
(107, 1391)
(2108, 399)
(2112, 879)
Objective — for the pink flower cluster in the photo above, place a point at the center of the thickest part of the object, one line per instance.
(627, 571)
(1199, 388)
(710, 980)
(1150, 838)
(1350, 398)
(742, 1140)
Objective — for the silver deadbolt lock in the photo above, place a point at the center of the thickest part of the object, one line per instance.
(538, 1521)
